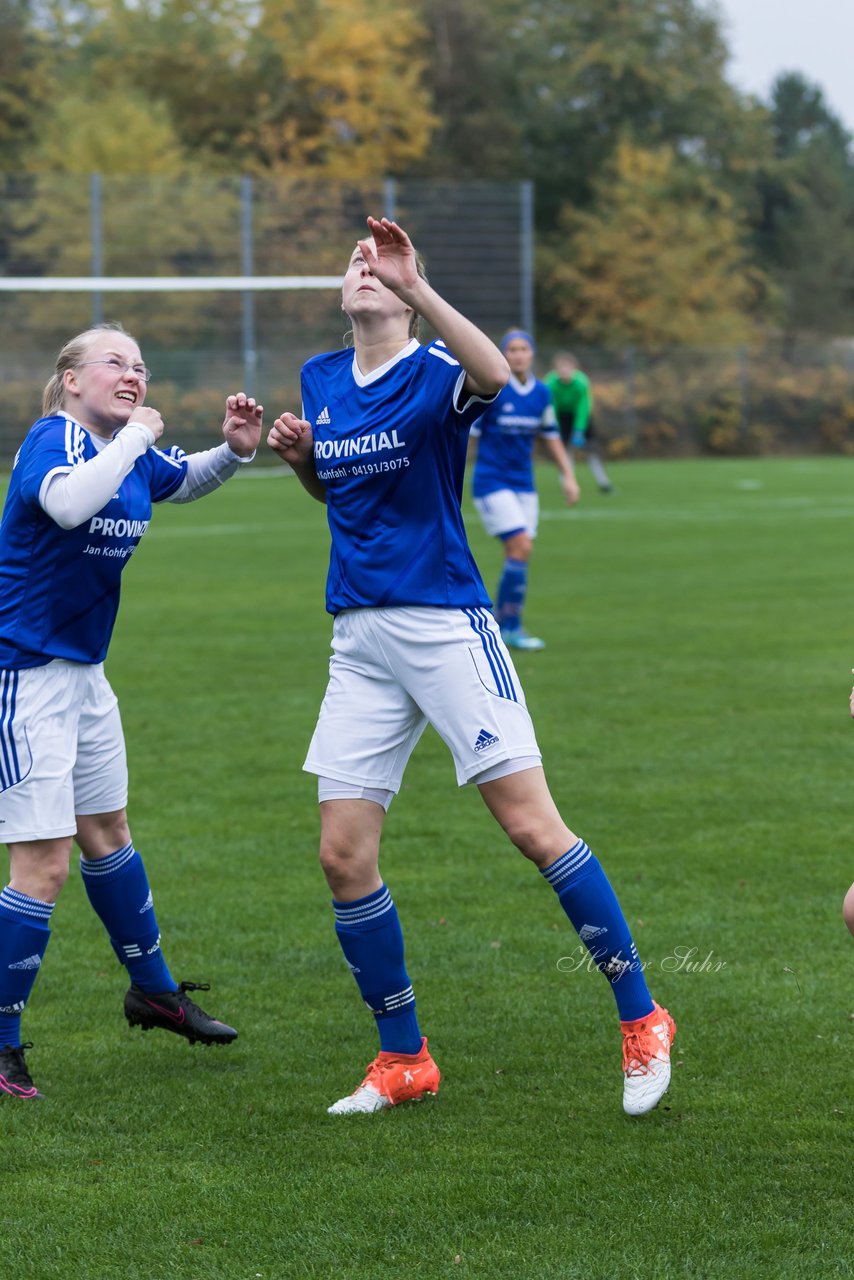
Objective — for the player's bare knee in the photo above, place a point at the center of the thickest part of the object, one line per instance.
(54, 882)
(333, 861)
(519, 547)
(345, 867)
(531, 836)
(848, 909)
(41, 877)
(100, 834)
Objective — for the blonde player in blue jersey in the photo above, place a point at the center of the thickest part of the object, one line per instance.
(503, 480)
(79, 500)
(382, 441)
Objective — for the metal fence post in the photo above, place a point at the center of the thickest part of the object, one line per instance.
(629, 411)
(526, 266)
(250, 354)
(389, 198)
(743, 390)
(96, 236)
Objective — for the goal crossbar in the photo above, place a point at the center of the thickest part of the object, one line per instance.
(161, 284)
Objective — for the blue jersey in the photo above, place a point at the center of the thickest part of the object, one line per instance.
(59, 588)
(390, 449)
(508, 429)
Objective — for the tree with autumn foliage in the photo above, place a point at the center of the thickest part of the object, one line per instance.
(343, 93)
(562, 93)
(330, 88)
(658, 259)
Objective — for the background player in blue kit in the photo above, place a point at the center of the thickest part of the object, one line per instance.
(503, 481)
(79, 500)
(382, 441)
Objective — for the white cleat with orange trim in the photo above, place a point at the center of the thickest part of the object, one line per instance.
(390, 1079)
(646, 1060)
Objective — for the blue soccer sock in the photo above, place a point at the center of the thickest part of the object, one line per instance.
(510, 597)
(118, 889)
(24, 935)
(591, 904)
(371, 939)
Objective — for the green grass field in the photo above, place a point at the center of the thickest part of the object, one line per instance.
(692, 710)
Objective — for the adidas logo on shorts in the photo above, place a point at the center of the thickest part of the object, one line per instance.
(485, 740)
(31, 962)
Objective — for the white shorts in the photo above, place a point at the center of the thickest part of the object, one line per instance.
(505, 512)
(395, 670)
(62, 750)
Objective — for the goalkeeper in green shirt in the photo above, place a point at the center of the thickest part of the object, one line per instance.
(573, 406)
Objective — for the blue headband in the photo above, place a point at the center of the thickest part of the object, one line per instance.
(517, 333)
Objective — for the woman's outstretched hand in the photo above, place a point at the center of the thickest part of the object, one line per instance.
(391, 258)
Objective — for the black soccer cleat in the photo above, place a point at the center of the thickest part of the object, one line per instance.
(15, 1079)
(175, 1011)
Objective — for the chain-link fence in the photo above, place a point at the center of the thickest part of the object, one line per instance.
(776, 397)
(64, 241)
(477, 238)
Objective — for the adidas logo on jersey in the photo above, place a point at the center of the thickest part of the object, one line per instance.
(485, 740)
(323, 419)
(589, 931)
(31, 962)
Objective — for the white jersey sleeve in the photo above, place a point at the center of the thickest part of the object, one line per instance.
(74, 496)
(207, 471)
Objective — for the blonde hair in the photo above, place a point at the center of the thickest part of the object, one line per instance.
(69, 357)
(415, 319)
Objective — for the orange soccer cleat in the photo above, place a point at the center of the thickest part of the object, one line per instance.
(392, 1078)
(646, 1060)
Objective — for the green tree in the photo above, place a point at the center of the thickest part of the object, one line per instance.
(189, 58)
(24, 82)
(472, 90)
(805, 226)
(567, 80)
(111, 131)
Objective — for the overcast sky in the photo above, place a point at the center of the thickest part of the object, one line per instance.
(815, 38)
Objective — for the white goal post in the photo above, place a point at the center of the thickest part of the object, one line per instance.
(246, 286)
(161, 284)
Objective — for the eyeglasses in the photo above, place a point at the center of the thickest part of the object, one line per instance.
(122, 366)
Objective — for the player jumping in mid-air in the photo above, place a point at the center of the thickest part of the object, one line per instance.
(79, 501)
(503, 479)
(382, 442)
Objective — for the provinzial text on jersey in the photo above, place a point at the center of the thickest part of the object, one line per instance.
(353, 446)
(118, 528)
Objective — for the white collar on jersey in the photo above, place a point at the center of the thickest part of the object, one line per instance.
(522, 388)
(365, 379)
